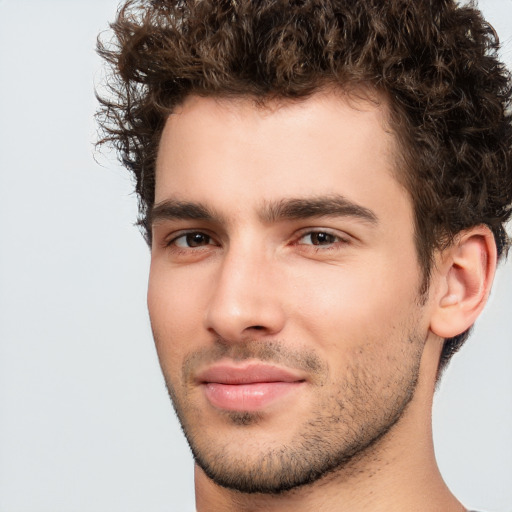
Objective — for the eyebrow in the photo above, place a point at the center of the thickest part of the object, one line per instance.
(172, 209)
(271, 211)
(324, 206)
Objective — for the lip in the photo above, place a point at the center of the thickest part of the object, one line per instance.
(247, 387)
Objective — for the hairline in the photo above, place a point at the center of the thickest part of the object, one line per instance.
(352, 91)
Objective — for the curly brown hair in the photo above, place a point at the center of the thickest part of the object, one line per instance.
(436, 62)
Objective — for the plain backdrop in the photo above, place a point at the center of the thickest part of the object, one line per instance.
(85, 421)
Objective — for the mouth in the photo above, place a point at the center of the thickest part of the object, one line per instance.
(249, 387)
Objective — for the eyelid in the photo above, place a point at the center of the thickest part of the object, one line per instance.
(169, 240)
(341, 235)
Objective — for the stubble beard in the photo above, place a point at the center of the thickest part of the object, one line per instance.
(341, 429)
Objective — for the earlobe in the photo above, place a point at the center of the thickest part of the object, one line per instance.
(464, 276)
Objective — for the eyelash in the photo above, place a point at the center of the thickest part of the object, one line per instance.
(185, 235)
(335, 239)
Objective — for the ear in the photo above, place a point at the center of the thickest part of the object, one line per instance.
(464, 276)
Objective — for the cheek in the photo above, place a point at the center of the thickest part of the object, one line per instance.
(176, 312)
(355, 303)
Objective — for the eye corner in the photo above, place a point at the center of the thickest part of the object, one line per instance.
(321, 237)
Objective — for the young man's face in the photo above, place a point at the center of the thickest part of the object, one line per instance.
(284, 285)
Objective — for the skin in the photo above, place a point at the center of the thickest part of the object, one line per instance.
(241, 275)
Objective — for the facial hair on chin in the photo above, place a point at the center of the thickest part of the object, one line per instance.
(342, 425)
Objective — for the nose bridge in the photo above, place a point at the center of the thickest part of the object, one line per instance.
(244, 299)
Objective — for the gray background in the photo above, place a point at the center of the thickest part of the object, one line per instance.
(85, 422)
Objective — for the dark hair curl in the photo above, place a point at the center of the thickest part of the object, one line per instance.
(435, 61)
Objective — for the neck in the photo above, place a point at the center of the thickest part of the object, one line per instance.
(399, 472)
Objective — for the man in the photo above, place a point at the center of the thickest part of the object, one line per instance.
(324, 187)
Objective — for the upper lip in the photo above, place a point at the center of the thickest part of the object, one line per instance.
(247, 373)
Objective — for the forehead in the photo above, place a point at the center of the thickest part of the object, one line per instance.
(236, 152)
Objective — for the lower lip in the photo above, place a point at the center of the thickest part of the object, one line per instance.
(247, 397)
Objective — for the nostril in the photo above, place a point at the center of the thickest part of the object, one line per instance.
(257, 327)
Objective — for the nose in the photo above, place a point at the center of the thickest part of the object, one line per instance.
(245, 300)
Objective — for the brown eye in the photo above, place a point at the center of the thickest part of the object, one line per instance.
(318, 238)
(195, 239)
(322, 238)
